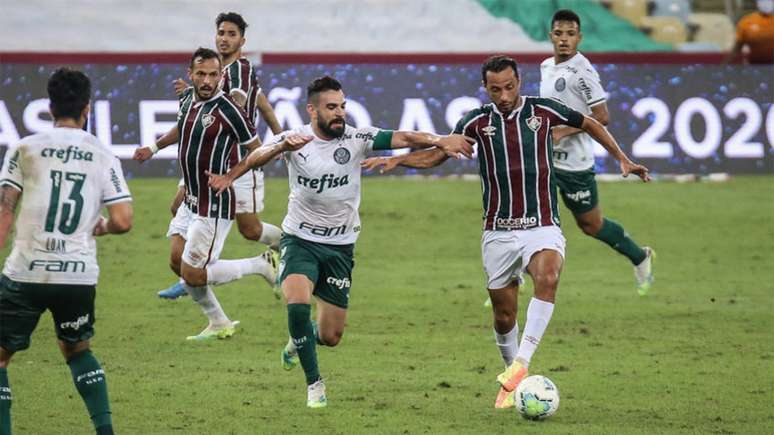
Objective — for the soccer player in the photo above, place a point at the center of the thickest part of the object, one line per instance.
(570, 78)
(239, 82)
(521, 218)
(322, 223)
(210, 127)
(63, 177)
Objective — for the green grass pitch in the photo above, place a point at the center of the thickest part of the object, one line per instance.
(418, 354)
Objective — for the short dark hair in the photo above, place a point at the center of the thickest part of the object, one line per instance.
(565, 15)
(498, 63)
(232, 17)
(204, 54)
(322, 84)
(69, 92)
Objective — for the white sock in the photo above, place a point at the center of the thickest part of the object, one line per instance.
(508, 344)
(270, 236)
(224, 271)
(538, 315)
(210, 306)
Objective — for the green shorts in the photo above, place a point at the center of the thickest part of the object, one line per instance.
(329, 267)
(21, 305)
(578, 189)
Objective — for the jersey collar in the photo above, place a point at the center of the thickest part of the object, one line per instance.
(198, 102)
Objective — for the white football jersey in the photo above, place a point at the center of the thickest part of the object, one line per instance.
(324, 178)
(66, 176)
(575, 83)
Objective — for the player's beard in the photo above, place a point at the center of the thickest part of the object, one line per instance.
(330, 131)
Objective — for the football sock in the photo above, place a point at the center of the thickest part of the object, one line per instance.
(210, 306)
(614, 235)
(317, 333)
(508, 344)
(224, 271)
(302, 333)
(538, 315)
(5, 403)
(270, 236)
(89, 379)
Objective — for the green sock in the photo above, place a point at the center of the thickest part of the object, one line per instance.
(302, 333)
(614, 235)
(5, 403)
(317, 333)
(89, 379)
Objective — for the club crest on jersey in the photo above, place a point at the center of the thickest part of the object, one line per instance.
(560, 84)
(207, 120)
(489, 130)
(534, 123)
(341, 156)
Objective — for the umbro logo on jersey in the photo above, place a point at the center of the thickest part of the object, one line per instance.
(534, 123)
(489, 130)
(207, 120)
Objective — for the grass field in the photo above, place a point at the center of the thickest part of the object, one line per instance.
(418, 355)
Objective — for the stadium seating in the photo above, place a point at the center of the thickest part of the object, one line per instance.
(632, 10)
(712, 28)
(672, 8)
(667, 30)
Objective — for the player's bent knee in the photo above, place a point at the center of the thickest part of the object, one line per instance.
(70, 350)
(194, 277)
(249, 227)
(331, 339)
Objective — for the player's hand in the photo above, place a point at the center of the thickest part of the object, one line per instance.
(456, 145)
(629, 167)
(101, 228)
(180, 85)
(219, 182)
(384, 164)
(295, 142)
(142, 154)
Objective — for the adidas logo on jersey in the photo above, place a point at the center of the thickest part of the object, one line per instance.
(327, 181)
(65, 155)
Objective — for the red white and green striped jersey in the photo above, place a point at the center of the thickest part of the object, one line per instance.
(239, 76)
(210, 133)
(515, 165)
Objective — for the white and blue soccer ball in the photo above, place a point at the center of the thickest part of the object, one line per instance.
(536, 398)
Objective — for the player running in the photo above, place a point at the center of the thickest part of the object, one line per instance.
(241, 84)
(322, 223)
(521, 218)
(569, 77)
(211, 126)
(64, 177)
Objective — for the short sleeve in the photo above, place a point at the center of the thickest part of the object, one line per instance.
(373, 139)
(11, 174)
(240, 77)
(587, 85)
(465, 126)
(559, 113)
(236, 117)
(115, 189)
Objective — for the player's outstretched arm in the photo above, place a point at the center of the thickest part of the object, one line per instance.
(257, 158)
(9, 199)
(142, 154)
(598, 112)
(601, 135)
(422, 159)
(453, 145)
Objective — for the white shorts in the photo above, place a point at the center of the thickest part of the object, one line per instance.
(249, 192)
(204, 236)
(506, 254)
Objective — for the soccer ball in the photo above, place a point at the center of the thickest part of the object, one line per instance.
(536, 398)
